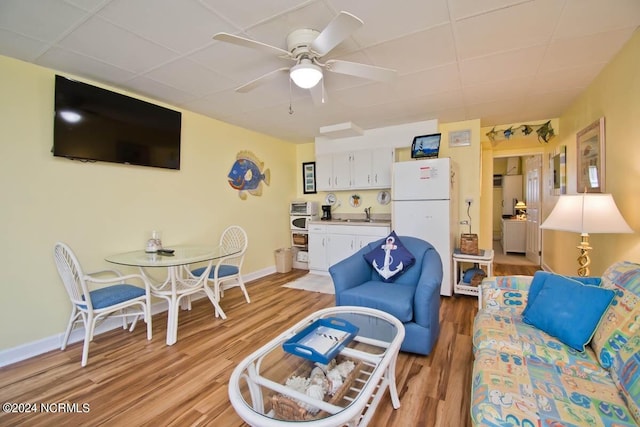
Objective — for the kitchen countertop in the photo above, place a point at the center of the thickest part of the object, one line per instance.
(380, 222)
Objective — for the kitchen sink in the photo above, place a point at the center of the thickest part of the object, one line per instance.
(363, 220)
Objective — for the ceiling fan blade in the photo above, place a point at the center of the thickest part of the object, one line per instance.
(319, 94)
(242, 41)
(340, 27)
(357, 69)
(260, 80)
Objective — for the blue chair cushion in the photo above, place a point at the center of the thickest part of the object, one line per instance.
(225, 270)
(396, 299)
(112, 295)
(568, 310)
(390, 259)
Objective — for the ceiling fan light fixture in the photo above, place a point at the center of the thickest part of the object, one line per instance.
(306, 74)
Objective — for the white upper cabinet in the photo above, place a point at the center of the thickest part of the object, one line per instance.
(382, 159)
(324, 172)
(360, 169)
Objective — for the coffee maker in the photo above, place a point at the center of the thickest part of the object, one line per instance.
(326, 213)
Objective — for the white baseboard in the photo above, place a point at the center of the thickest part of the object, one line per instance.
(53, 342)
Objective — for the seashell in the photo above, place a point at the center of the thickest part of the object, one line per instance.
(317, 371)
(314, 391)
(298, 383)
(335, 381)
(345, 368)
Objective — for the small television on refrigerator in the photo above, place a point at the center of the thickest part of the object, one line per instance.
(95, 124)
(426, 146)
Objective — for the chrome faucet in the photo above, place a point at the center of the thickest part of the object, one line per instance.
(367, 213)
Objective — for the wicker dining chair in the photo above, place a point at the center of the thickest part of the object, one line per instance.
(227, 273)
(117, 299)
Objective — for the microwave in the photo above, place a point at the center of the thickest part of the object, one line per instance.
(300, 223)
(303, 208)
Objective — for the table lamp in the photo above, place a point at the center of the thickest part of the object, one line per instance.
(586, 213)
(521, 210)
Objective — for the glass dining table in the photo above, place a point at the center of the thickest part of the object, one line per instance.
(179, 282)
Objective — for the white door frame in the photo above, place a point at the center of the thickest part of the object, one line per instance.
(498, 155)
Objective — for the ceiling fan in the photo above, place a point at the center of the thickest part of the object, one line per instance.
(306, 47)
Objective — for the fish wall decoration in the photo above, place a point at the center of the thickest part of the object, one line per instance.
(247, 175)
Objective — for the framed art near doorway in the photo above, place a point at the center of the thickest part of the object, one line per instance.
(558, 168)
(309, 177)
(591, 161)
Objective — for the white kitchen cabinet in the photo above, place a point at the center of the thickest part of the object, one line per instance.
(330, 244)
(318, 247)
(361, 169)
(514, 234)
(341, 171)
(511, 192)
(324, 172)
(381, 162)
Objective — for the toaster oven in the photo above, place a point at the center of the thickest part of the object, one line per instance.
(303, 208)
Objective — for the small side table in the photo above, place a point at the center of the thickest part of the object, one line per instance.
(484, 259)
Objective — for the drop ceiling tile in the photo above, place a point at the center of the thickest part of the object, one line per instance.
(562, 79)
(80, 65)
(244, 14)
(519, 26)
(579, 51)
(413, 16)
(423, 83)
(584, 17)
(505, 65)
(240, 63)
(162, 92)
(106, 42)
(462, 9)
(181, 26)
(503, 90)
(417, 51)
(190, 77)
(315, 16)
(45, 20)
(20, 47)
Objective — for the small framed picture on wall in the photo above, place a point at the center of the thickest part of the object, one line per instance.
(309, 177)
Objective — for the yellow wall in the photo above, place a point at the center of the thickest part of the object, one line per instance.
(615, 94)
(104, 208)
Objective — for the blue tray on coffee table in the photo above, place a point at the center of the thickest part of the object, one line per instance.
(322, 340)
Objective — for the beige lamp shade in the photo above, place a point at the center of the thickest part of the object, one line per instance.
(586, 213)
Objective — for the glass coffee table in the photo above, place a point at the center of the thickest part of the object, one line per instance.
(257, 387)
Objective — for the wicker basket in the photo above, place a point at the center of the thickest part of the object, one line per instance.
(469, 244)
(286, 408)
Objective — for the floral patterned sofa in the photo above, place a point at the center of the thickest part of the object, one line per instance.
(525, 377)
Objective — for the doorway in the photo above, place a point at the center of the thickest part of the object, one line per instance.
(516, 238)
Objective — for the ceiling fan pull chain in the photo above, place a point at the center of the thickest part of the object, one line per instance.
(290, 96)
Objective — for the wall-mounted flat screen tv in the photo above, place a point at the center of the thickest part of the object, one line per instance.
(426, 146)
(94, 124)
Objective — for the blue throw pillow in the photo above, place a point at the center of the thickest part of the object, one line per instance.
(540, 277)
(568, 310)
(391, 259)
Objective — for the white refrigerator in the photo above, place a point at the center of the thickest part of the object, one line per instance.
(424, 205)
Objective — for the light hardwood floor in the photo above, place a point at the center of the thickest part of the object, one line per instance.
(134, 382)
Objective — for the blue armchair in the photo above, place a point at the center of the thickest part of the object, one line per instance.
(414, 297)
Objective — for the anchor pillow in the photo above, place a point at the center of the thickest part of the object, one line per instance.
(390, 259)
